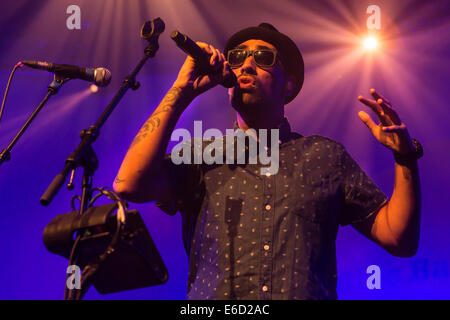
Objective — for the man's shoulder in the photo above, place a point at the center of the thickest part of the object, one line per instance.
(318, 141)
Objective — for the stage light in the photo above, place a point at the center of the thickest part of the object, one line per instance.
(370, 43)
(93, 88)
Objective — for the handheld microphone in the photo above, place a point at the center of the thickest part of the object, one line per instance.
(100, 76)
(200, 56)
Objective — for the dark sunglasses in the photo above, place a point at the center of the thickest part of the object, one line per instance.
(263, 58)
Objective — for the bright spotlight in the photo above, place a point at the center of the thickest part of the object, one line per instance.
(93, 88)
(370, 43)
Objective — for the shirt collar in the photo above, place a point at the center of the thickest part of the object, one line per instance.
(284, 129)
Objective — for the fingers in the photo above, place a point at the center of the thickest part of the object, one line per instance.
(377, 109)
(372, 105)
(383, 108)
(204, 46)
(389, 111)
(395, 128)
(386, 106)
(367, 120)
(377, 96)
(219, 61)
(216, 58)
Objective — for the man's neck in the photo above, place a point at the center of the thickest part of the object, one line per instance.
(264, 122)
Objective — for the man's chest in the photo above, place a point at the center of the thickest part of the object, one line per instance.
(306, 185)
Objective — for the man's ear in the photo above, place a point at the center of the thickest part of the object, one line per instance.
(289, 86)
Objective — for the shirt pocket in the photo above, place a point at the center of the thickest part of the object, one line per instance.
(316, 199)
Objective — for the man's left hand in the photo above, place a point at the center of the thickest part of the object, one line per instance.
(391, 131)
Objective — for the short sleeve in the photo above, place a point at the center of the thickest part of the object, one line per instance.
(362, 197)
(185, 181)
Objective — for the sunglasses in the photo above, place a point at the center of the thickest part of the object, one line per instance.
(263, 58)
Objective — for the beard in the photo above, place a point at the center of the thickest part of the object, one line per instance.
(246, 100)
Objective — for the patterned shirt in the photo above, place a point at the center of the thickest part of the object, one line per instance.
(253, 236)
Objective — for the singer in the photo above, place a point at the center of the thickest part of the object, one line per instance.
(272, 236)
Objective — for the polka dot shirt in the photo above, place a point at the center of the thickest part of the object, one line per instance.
(253, 236)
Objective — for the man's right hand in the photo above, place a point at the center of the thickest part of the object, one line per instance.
(193, 82)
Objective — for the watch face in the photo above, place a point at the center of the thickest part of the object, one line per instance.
(405, 159)
(419, 150)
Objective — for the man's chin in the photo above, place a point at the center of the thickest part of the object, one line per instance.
(246, 99)
(250, 98)
(244, 107)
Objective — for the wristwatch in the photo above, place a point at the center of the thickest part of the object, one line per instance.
(407, 158)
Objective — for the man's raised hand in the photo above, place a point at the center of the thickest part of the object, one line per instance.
(391, 131)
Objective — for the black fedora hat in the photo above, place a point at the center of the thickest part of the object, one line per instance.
(287, 49)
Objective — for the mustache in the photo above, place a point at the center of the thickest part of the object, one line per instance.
(247, 75)
(247, 78)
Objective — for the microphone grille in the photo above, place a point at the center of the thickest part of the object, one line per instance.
(102, 77)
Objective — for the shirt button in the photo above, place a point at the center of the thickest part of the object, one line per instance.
(265, 288)
(266, 247)
(268, 207)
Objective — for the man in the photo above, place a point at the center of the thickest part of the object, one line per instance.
(253, 236)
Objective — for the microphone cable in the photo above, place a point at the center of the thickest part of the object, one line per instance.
(18, 65)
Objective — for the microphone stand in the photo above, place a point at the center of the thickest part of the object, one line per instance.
(84, 155)
(90, 135)
(53, 88)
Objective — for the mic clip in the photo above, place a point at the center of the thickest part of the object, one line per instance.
(150, 31)
(58, 81)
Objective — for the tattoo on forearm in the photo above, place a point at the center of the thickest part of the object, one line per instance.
(118, 180)
(154, 121)
(406, 173)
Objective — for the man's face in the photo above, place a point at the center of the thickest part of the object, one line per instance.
(262, 87)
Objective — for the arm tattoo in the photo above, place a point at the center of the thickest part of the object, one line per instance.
(118, 180)
(406, 173)
(153, 122)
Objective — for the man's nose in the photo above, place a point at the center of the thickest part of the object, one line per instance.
(249, 65)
